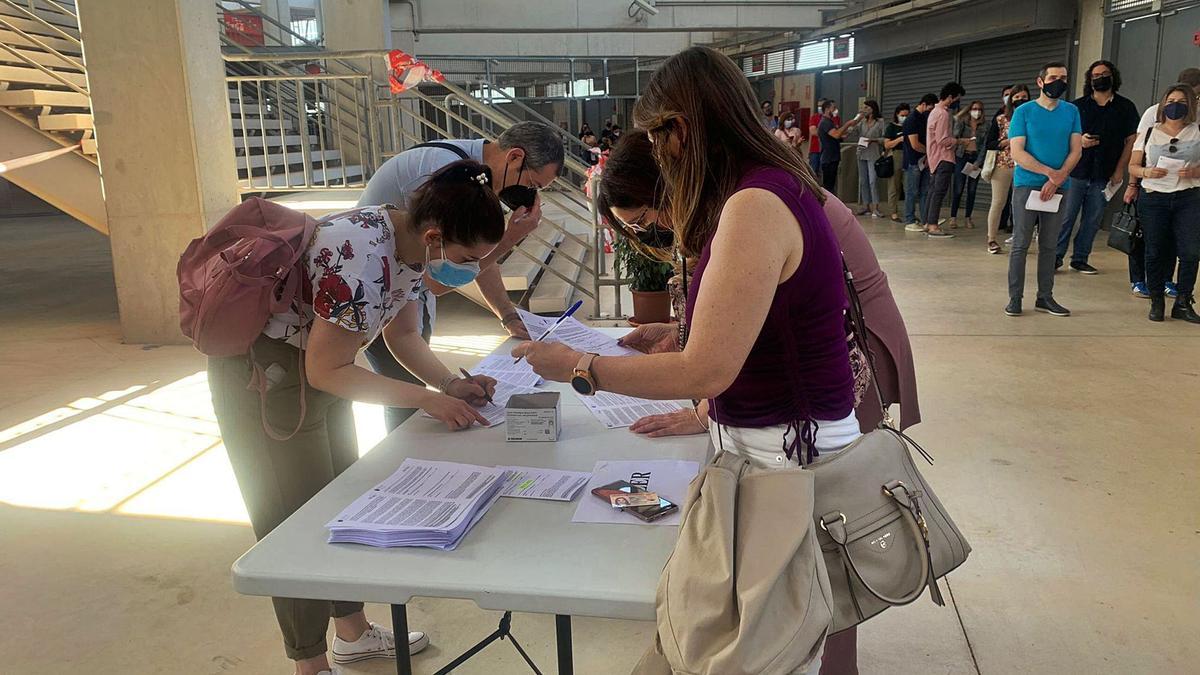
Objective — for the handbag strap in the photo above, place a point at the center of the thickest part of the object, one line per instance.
(909, 502)
(859, 326)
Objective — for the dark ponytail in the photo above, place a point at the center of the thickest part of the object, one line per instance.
(458, 198)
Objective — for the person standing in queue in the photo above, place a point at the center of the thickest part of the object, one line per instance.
(831, 143)
(916, 173)
(1047, 142)
(971, 129)
(893, 136)
(364, 270)
(1002, 171)
(941, 145)
(766, 301)
(871, 129)
(527, 157)
(1167, 161)
(1109, 127)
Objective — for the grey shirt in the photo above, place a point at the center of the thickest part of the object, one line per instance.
(873, 131)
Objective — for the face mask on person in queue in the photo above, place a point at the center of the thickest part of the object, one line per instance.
(1007, 99)
(1017, 102)
(1054, 89)
(901, 118)
(787, 124)
(1102, 83)
(1176, 110)
(449, 273)
(516, 196)
(976, 114)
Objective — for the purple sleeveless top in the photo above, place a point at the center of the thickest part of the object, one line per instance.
(799, 367)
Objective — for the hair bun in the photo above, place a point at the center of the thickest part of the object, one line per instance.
(467, 171)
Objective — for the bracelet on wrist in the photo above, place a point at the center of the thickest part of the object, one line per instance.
(447, 381)
(699, 419)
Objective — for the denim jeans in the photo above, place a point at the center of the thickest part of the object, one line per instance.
(1171, 224)
(868, 183)
(916, 191)
(943, 177)
(964, 184)
(814, 160)
(1086, 196)
(1023, 222)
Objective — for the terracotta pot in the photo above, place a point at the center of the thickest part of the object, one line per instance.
(651, 307)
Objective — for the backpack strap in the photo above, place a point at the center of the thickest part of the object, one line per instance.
(462, 154)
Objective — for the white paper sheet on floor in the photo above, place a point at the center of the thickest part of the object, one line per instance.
(526, 482)
(424, 503)
(668, 478)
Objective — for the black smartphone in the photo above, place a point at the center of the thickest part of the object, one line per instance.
(646, 513)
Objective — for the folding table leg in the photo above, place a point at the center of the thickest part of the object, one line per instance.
(400, 627)
(562, 626)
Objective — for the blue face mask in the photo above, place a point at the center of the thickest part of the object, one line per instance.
(449, 273)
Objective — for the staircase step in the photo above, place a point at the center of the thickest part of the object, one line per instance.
(67, 23)
(293, 158)
(295, 179)
(517, 270)
(67, 47)
(36, 27)
(552, 294)
(40, 57)
(31, 75)
(273, 143)
(65, 122)
(249, 110)
(270, 125)
(44, 97)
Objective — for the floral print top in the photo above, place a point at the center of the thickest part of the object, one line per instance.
(1004, 156)
(354, 279)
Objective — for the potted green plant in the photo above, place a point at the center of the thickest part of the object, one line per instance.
(647, 280)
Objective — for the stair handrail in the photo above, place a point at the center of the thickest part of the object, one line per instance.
(35, 64)
(60, 8)
(44, 22)
(566, 134)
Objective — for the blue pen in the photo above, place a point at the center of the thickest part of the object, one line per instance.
(559, 320)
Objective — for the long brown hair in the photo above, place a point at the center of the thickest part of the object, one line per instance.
(631, 180)
(1008, 109)
(708, 91)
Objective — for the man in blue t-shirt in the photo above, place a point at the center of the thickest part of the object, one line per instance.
(916, 174)
(1046, 144)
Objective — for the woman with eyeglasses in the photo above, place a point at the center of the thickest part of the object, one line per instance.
(766, 341)
(1002, 173)
(1166, 161)
(630, 187)
(971, 128)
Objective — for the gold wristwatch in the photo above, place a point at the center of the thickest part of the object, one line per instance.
(582, 380)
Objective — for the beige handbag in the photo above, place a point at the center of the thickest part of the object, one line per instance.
(884, 534)
(989, 165)
(745, 590)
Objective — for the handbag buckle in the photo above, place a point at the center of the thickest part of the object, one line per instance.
(840, 515)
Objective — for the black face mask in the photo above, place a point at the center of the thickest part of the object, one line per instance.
(955, 105)
(1102, 83)
(1055, 89)
(1019, 102)
(1175, 111)
(517, 196)
(656, 237)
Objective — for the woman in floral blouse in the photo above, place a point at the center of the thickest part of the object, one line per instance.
(1002, 174)
(364, 266)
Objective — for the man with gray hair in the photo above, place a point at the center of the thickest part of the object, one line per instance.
(527, 157)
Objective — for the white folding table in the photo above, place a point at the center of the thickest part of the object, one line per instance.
(525, 555)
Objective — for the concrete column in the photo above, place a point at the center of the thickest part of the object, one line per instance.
(280, 11)
(353, 25)
(163, 129)
(1090, 41)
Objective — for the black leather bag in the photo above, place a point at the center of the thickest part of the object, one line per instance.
(885, 167)
(1125, 231)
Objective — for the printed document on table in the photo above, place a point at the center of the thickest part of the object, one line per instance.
(495, 412)
(575, 335)
(616, 410)
(1035, 203)
(502, 368)
(421, 495)
(531, 483)
(669, 478)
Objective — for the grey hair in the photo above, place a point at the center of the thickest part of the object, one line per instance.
(543, 144)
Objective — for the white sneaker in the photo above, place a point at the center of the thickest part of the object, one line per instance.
(914, 227)
(1009, 240)
(377, 643)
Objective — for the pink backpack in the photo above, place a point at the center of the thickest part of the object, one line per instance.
(247, 267)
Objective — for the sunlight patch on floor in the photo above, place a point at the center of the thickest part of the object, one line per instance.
(468, 345)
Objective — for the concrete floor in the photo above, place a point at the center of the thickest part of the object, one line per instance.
(1067, 452)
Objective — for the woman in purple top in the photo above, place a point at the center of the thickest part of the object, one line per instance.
(766, 340)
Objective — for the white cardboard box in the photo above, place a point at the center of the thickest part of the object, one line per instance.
(533, 417)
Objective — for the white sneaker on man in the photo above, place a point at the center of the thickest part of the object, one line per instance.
(377, 643)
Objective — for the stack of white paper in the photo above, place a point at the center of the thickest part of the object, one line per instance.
(502, 368)
(617, 410)
(425, 503)
(526, 482)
